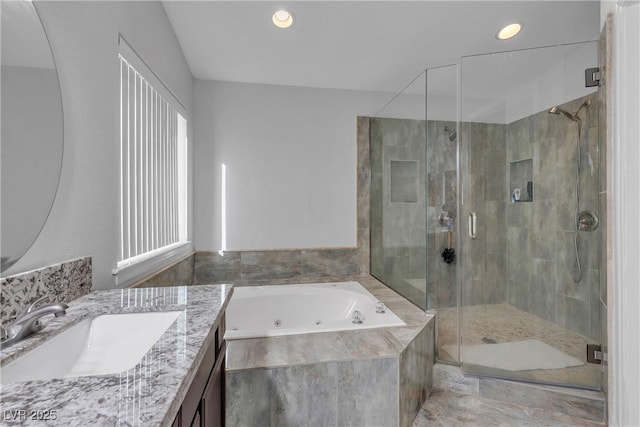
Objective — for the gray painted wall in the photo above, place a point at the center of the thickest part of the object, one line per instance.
(290, 157)
(84, 40)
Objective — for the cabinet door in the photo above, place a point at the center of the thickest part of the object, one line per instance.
(176, 421)
(220, 336)
(197, 421)
(192, 400)
(213, 397)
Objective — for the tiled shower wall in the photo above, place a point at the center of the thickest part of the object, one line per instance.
(526, 247)
(442, 190)
(540, 234)
(484, 259)
(524, 251)
(398, 200)
(402, 254)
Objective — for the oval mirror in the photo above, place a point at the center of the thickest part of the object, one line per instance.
(32, 130)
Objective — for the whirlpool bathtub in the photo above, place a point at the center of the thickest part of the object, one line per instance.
(271, 311)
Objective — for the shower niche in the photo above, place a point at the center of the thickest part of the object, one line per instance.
(403, 178)
(521, 181)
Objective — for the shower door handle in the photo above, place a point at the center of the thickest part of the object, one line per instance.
(472, 225)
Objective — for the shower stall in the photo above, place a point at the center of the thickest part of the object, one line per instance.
(485, 206)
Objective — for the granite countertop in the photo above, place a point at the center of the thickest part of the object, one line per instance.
(149, 394)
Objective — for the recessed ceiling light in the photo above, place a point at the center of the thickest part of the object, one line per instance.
(509, 31)
(282, 18)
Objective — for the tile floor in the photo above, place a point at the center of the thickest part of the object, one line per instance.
(451, 409)
(459, 400)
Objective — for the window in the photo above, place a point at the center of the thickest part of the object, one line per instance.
(153, 164)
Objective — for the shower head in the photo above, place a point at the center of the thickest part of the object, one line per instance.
(452, 133)
(573, 117)
(557, 110)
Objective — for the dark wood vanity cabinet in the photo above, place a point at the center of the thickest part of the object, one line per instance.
(212, 403)
(203, 406)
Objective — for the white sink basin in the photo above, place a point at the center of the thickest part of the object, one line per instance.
(106, 344)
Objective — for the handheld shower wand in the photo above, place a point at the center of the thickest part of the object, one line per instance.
(573, 117)
(577, 268)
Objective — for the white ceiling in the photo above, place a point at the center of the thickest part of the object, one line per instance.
(362, 45)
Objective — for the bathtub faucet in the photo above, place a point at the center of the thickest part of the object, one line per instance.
(357, 317)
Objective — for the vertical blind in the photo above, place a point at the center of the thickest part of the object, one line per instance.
(152, 168)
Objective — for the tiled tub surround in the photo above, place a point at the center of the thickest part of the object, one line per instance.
(257, 267)
(178, 274)
(366, 377)
(149, 394)
(262, 267)
(62, 282)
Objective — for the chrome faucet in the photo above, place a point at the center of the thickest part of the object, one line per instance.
(28, 323)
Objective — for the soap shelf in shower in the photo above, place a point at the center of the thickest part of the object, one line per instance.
(521, 181)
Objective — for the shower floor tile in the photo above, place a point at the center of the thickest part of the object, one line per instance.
(482, 324)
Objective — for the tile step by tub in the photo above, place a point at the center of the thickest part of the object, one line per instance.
(579, 404)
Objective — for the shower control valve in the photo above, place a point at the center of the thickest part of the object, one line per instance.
(587, 221)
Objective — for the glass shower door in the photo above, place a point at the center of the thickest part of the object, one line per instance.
(529, 251)
(443, 294)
